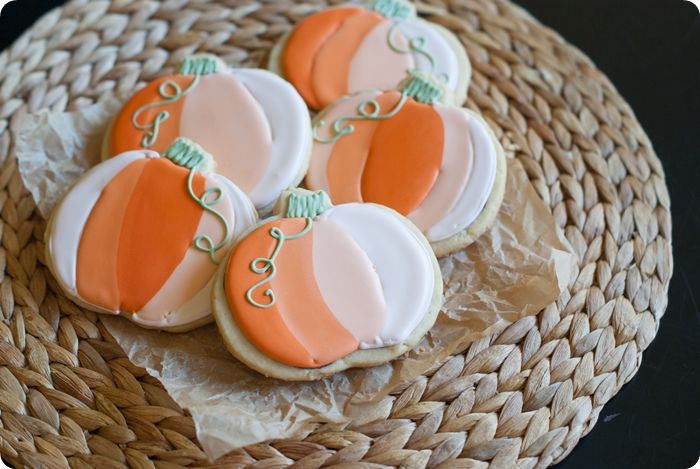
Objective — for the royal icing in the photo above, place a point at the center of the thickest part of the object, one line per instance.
(434, 163)
(254, 122)
(322, 282)
(141, 234)
(350, 48)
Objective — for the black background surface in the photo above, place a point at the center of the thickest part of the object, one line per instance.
(650, 49)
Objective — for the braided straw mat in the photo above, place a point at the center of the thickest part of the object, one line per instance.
(522, 398)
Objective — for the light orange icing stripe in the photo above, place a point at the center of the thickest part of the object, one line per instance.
(303, 44)
(158, 228)
(331, 70)
(299, 329)
(96, 271)
(405, 158)
(125, 137)
(349, 155)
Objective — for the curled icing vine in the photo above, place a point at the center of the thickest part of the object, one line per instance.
(266, 265)
(191, 156)
(367, 110)
(418, 87)
(171, 92)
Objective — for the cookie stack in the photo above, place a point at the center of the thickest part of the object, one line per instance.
(196, 211)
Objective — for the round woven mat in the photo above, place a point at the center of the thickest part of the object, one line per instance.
(522, 398)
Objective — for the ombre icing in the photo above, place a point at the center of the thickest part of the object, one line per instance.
(320, 282)
(350, 48)
(254, 123)
(141, 235)
(406, 149)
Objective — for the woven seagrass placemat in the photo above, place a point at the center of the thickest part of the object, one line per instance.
(522, 398)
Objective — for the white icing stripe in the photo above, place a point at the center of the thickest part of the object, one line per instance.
(342, 270)
(289, 120)
(456, 167)
(317, 176)
(478, 188)
(446, 61)
(404, 267)
(375, 54)
(69, 218)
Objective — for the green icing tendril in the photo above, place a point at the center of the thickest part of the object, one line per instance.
(266, 265)
(394, 9)
(306, 205)
(189, 155)
(418, 87)
(171, 92)
(416, 45)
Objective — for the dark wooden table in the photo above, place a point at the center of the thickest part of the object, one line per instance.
(651, 50)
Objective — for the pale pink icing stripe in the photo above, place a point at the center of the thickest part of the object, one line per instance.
(348, 282)
(375, 64)
(457, 163)
(195, 270)
(317, 176)
(223, 116)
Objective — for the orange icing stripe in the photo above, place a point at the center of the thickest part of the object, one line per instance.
(303, 44)
(96, 272)
(125, 137)
(405, 158)
(299, 329)
(158, 228)
(331, 70)
(350, 153)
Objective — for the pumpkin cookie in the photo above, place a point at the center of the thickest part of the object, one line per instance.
(318, 289)
(351, 48)
(141, 235)
(439, 165)
(253, 122)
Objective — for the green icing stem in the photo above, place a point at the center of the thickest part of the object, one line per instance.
(307, 205)
(393, 9)
(418, 87)
(190, 156)
(171, 93)
(266, 265)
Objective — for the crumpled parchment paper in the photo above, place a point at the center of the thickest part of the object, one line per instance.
(516, 269)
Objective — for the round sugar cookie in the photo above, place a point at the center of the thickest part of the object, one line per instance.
(253, 122)
(141, 235)
(318, 289)
(351, 48)
(439, 165)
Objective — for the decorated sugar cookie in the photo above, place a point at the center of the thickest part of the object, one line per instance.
(351, 48)
(141, 235)
(318, 289)
(253, 122)
(438, 165)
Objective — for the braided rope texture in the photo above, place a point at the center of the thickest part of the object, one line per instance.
(521, 398)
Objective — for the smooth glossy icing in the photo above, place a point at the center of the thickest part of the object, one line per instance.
(288, 119)
(456, 167)
(434, 163)
(255, 123)
(347, 49)
(478, 188)
(122, 239)
(354, 277)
